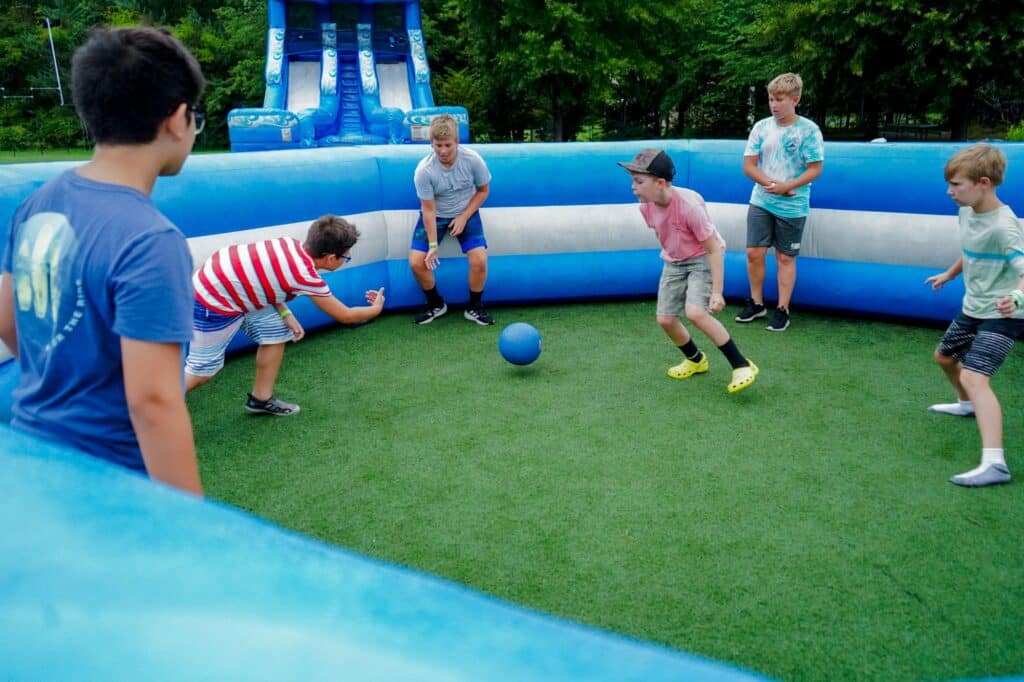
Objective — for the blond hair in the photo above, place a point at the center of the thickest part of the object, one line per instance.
(976, 162)
(444, 127)
(787, 84)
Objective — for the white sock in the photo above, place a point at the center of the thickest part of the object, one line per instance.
(989, 456)
(992, 456)
(961, 408)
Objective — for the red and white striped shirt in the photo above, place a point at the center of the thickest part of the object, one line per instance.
(243, 278)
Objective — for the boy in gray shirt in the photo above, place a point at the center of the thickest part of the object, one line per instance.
(451, 184)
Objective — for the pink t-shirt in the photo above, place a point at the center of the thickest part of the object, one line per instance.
(681, 226)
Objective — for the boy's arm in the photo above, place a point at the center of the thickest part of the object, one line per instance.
(428, 208)
(8, 332)
(342, 313)
(716, 262)
(754, 171)
(949, 274)
(156, 406)
(290, 321)
(458, 224)
(812, 173)
(1009, 304)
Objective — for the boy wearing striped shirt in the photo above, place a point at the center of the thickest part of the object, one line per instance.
(247, 286)
(980, 337)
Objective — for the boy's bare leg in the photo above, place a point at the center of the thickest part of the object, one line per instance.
(193, 381)
(787, 277)
(986, 408)
(418, 265)
(951, 368)
(268, 364)
(755, 272)
(707, 323)
(477, 268)
(993, 467)
(674, 329)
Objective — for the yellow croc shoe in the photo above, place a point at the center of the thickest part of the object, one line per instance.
(687, 368)
(743, 377)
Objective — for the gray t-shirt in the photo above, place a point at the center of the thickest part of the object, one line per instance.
(993, 253)
(451, 188)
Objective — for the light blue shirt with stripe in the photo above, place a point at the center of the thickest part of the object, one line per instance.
(993, 256)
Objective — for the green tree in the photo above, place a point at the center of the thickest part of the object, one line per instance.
(551, 58)
(230, 45)
(881, 57)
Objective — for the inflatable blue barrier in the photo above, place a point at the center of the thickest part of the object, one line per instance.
(108, 576)
(100, 552)
(8, 380)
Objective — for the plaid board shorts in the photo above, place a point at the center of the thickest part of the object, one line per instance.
(212, 332)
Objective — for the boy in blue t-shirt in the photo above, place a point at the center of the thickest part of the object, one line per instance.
(784, 155)
(96, 295)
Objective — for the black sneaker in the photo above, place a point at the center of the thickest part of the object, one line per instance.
(271, 405)
(780, 320)
(478, 315)
(431, 313)
(751, 311)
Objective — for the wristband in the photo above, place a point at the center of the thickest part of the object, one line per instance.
(432, 245)
(1018, 298)
(285, 313)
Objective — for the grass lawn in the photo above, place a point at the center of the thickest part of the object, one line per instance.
(804, 528)
(7, 156)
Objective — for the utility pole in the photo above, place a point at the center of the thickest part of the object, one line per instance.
(53, 53)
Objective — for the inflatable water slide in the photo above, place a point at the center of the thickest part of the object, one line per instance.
(342, 72)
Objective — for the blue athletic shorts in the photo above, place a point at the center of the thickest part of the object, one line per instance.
(472, 237)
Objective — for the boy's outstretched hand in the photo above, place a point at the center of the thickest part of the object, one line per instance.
(376, 298)
(938, 280)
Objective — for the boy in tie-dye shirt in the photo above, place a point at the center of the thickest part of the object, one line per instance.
(784, 155)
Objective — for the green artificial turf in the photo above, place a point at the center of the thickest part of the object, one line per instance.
(804, 528)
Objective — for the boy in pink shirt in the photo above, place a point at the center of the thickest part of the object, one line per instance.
(694, 263)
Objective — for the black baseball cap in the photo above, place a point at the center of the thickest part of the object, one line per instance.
(652, 162)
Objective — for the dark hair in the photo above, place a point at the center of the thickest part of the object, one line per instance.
(330, 234)
(126, 81)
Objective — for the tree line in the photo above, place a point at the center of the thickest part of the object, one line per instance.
(592, 69)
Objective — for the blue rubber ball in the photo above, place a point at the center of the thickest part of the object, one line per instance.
(519, 343)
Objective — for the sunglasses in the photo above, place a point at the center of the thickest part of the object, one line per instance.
(200, 119)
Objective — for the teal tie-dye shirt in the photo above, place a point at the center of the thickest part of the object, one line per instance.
(993, 253)
(783, 153)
